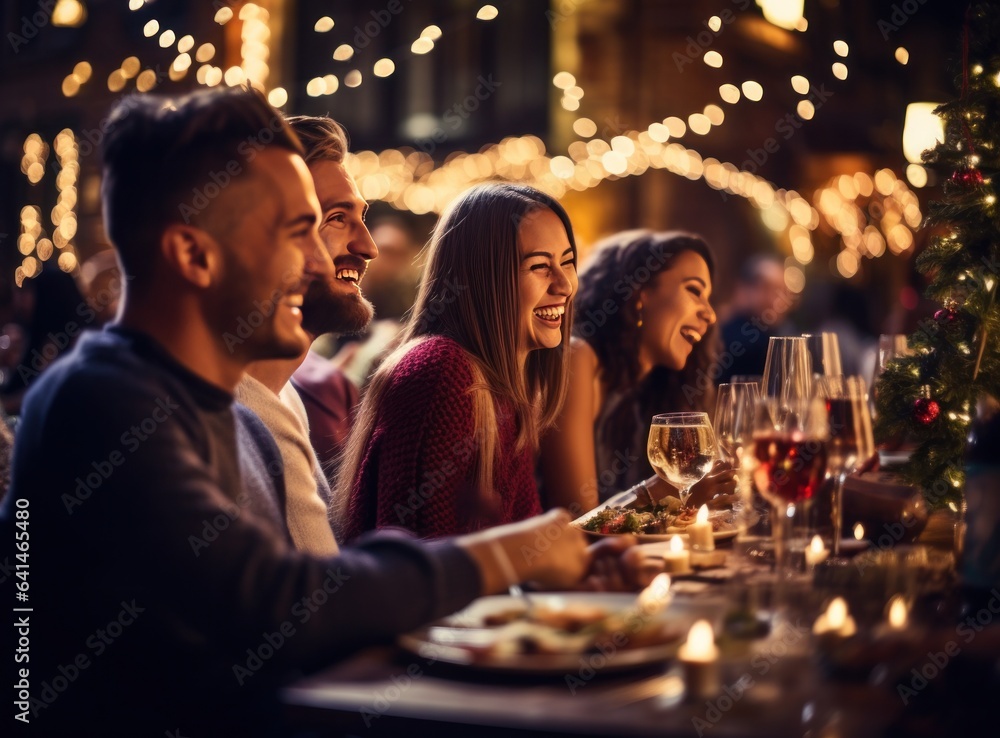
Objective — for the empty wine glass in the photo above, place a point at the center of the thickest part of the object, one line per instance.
(734, 413)
(851, 442)
(788, 461)
(756, 379)
(890, 345)
(787, 370)
(735, 405)
(824, 352)
(681, 449)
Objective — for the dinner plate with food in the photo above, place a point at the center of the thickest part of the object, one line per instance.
(552, 634)
(652, 521)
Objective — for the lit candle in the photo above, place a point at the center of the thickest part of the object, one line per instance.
(815, 552)
(836, 621)
(656, 596)
(700, 531)
(898, 615)
(859, 531)
(677, 560)
(699, 657)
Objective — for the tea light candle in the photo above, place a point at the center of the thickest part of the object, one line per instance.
(700, 531)
(898, 614)
(815, 552)
(656, 596)
(897, 631)
(699, 658)
(836, 621)
(677, 560)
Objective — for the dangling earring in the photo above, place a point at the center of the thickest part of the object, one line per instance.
(638, 307)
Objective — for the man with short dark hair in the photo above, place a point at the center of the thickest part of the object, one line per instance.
(162, 601)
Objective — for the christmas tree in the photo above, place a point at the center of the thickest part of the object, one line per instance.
(930, 396)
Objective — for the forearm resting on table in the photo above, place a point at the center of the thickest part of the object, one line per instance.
(511, 554)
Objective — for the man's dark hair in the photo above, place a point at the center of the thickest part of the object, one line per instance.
(167, 160)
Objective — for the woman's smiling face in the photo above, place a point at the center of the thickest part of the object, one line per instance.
(676, 313)
(546, 278)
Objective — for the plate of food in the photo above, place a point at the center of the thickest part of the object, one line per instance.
(557, 634)
(652, 521)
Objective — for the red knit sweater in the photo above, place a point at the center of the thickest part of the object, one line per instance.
(418, 467)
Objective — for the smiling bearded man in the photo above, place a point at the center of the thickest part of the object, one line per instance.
(319, 413)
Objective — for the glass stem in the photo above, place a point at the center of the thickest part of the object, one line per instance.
(837, 512)
(781, 527)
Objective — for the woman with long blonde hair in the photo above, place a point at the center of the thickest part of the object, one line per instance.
(445, 439)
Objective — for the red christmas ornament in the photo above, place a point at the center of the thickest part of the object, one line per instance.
(967, 178)
(926, 410)
(945, 315)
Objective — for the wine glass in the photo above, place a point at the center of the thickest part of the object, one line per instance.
(890, 345)
(735, 405)
(734, 412)
(824, 352)
(787, 370)
(851, 442)
(681, 449)
(788, 461)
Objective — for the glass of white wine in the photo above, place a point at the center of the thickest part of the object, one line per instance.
(681, 449)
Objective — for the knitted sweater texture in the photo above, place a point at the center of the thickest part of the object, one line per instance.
(418, 468)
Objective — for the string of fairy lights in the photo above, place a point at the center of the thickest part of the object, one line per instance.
(871, 214)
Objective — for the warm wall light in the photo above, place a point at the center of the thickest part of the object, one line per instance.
(921, 130)
(785, 14)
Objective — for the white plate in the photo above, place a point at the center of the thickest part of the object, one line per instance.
(443, 641)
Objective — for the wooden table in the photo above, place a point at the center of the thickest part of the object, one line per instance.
(772, 690)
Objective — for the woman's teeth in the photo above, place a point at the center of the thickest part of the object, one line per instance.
(550, 313)
(351, 275)
(690, 335)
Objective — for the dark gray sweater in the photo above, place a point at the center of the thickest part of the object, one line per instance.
(163, 597)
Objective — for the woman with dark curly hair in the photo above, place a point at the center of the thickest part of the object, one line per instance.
(643, 329)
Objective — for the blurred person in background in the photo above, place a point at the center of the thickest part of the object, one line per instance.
(52, 313)
(643, 330)
(757, 311)
(848, 315)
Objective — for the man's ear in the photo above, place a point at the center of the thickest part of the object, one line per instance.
(191, 252)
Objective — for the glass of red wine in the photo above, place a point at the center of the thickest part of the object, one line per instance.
(788, 461)
(851, 443)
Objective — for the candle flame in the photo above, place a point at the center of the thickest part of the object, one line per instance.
(701, 639)
(897, 613)
(702, 516)
(836, 613)
(660, 586)
(656, 596)
(816, 545)
(676, 544)
(859, 531)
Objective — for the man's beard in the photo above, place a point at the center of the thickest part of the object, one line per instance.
(325, 310)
